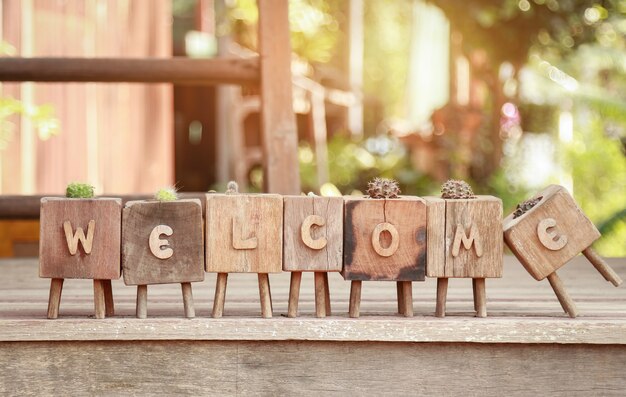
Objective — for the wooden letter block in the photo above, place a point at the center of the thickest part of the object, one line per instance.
(313, 233)
(550, 234)
(384, 239)
(464, 237)
(244, 233)
(162, 242)
(80, 238)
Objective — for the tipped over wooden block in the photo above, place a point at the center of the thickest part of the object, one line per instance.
(550, 233)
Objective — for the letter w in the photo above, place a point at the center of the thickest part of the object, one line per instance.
(74, 238)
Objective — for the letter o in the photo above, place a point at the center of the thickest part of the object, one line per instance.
(395, 239)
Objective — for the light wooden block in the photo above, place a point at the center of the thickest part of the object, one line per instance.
(64, 253)
(464, 237)
(313, 233)
(551, 233)
(244, 233)
(384, 239)
(162, 242)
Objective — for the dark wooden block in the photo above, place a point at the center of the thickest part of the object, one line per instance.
(162, 242)
(384, 239)
(80, 238)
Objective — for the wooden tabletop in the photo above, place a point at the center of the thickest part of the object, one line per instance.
(520, 310)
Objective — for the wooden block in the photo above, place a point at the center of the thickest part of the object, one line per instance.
(465, 237)
(162, 242)
(384, 239)
(550, 234)
(244, 233)
(80, 238)
(313, 233)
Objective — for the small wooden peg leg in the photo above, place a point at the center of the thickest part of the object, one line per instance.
(601, 266)
(442, 294)
(327, 294)
(480, 298)
(474, 293)
(400, 296)
(264, 293)
(269, 289)
(355, 298)
(99, 301)
(320, 295)
(220, 295)
(190, 311)
(567, 303)
(54, 300)
(407, 298)
(108, 298)
(294, 294)
(142, 301)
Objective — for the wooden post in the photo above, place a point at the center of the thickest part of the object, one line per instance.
(567, 303)
(407, 298)
(54, 300)
(320, 295)
(400, 297)
(480, 297)
(294, 294)
(605, 270)
(355, 298)
(281, 172)
(264, 294)
(474, 294)
(142, 301)
(327, 295)
(220, 295)
(108, 298)
(190, 311)
(442, 293)
(99, 302)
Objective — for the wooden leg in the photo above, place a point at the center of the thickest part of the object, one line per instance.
(265, 295)
(269, 290)
(142, 301)
(99, 302)
(480, 297)
(442, 294)
(294, 294)
(605, 270)
(407, 298)
(54, 300)
(108, 299)
(327, 294)
(567, 303)
(190, 311)
(220, 295)
(355, 298)
(475, 294)
(400, 297)
(320, 295)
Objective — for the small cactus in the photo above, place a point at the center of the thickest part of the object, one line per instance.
(383, 188)
(232, 188)
(456, 190)
(166, 194)
(79, 190)
(526, 206)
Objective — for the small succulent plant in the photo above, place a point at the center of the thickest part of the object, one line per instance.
(526, 206)
(79, 190)
(456, 190)
(232, 188)
(166, 194)
(383, 188)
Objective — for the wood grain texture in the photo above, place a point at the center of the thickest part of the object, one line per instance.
(54, 299)
(521, 235)
(55, 259)
(467, 241)
(480, 297)
(279, 133)
(250, 368)
(361, 216)
(294, 294)
(99, 301)
(220, 295)
(565, 300)
(602, 267)
(297, 255)
(257, 216)
(186, 263)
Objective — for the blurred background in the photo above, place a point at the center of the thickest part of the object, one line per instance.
(509, 95)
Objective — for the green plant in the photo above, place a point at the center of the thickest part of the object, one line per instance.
(166, 194)
(79, 190)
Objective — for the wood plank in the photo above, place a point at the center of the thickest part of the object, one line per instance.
(174, 257)
(177, 70)
(316, 245)
(279, 133)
